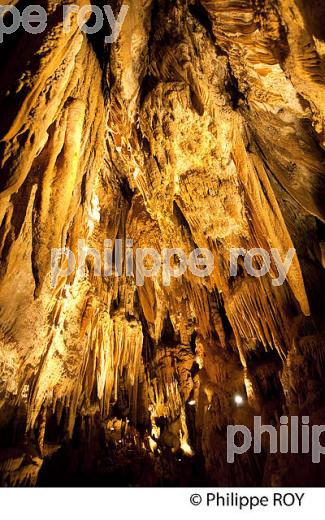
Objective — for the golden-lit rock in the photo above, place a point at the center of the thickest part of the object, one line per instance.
(201, 126)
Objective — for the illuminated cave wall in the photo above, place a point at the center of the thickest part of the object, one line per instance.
(202, 126)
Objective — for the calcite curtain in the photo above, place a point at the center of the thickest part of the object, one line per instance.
(201, 126)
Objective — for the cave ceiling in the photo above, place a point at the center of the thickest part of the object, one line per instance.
(202, 126)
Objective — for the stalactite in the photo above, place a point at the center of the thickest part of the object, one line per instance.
(202, 126)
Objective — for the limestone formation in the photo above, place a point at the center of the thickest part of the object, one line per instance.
(202, 126)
